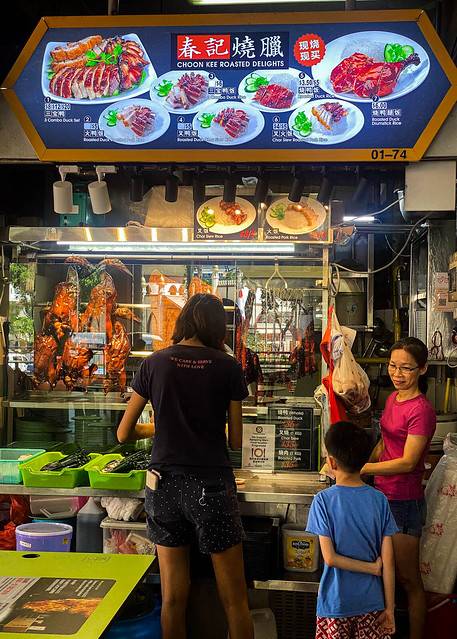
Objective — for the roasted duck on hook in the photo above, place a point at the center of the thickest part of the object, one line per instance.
(116, 354)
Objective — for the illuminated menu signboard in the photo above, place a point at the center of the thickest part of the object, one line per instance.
(363, 86)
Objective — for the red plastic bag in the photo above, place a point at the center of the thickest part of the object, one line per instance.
(337, 409)
(19, 514)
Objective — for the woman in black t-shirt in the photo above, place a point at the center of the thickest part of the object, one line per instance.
(191, 493)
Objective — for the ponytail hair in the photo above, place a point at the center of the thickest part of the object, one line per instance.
(202, 316)
(419, 352)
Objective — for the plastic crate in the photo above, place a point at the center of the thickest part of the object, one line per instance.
(34, 477)
(10, 465)
(126, 537)
(133, 480)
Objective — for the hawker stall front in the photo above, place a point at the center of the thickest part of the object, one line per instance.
(251, 159)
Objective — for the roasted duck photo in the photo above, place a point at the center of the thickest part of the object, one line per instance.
(185, 92)
(228, 123)
(372, 66)
(96, 69)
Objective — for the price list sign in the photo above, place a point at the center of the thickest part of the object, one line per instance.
(295, 439)
(371, 86)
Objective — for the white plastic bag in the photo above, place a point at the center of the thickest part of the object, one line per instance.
(439, 537)
(349, 380)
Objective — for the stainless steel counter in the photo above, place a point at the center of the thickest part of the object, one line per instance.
(279, 489)
(292, 581)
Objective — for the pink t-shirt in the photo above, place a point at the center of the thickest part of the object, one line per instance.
(412, 417)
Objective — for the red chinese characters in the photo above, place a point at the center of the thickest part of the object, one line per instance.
(203, 47)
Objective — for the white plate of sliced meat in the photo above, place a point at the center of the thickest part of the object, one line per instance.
(134, 121)
(228, 123)
(185, 92)
(275, 91)
(96, 70)
(326, 121)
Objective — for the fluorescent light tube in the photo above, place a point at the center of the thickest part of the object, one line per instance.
(180, 247)
(215, 3)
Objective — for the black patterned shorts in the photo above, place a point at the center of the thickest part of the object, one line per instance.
(185, 508)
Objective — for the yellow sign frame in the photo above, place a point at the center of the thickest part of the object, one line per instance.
(235, 155)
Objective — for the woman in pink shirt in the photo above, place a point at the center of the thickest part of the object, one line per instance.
(407, 427)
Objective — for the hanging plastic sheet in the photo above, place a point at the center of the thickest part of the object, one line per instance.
(438, 542)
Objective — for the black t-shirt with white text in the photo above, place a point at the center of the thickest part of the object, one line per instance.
(190, 389)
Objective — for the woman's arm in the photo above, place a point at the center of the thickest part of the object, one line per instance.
(387, 619)
(377, 451)
(128, 429)
(333, 560)
(412, 453)
(235, 425)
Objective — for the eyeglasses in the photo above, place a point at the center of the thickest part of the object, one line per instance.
(403, 370)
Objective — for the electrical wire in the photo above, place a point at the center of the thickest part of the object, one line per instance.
(391, 247)
(399, 254)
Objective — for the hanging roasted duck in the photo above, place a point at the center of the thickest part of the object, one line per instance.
(116, 354)
(44, 368)
(57, 355)
(74, 368)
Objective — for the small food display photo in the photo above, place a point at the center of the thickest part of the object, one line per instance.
(229, 220)
(293, 220)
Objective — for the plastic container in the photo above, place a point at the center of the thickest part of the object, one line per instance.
(88, 534)
(53, 506)
(33, 476)
(44, 537)
(300, 549)
(134, 480)
(10, 465)
(126, 537)
(261, 547)
(70, 521)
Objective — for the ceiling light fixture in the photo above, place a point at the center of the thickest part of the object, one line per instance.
(229, 189)
(261, 189)
(63, 192)
(325, 190)
(171, 188)
(198, 190)
(98, 191)
(296, 190)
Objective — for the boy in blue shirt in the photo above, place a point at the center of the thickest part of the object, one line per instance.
(355, 525)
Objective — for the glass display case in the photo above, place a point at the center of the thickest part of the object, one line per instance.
(80, 327)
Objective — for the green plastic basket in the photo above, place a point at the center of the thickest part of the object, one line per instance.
(134, 480)
(10, 464)
(33, 477)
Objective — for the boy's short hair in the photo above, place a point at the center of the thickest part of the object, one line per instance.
(349, 444)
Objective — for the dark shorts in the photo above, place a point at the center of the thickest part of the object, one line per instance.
(409, 515)
(185, 508)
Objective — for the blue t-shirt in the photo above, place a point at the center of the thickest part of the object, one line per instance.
(356, 519)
